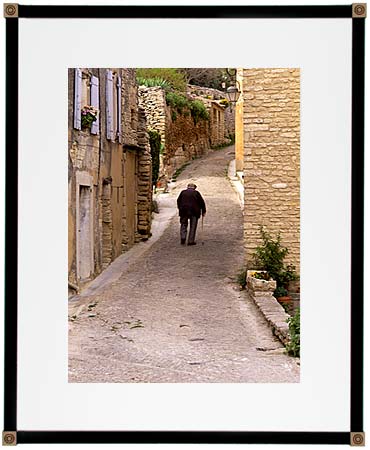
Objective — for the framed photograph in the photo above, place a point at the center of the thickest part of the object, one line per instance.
(184, 195)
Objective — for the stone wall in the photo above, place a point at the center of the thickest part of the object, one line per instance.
(153, 102)
(144, 179)
(271, 118)
(109, 178)
(130, 119)
(181, 137)
(185, 140)
(215, 94)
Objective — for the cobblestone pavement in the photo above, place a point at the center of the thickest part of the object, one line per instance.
(175, 315)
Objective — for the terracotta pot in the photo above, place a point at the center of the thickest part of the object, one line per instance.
(285, 299)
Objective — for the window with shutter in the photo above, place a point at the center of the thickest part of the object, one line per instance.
(119, 109)
(109, 105)
(94, 101)
(77, 99)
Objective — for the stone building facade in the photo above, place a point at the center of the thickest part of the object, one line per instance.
(220, 97)
(269, 114)
(182, 138)
(109, 171)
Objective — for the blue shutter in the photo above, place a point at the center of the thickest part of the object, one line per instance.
(94, 101)
(109, 104)
(77, 99)
(119, 109)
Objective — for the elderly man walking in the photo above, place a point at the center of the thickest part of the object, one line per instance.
(191, 205)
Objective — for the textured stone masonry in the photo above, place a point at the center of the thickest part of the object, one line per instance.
(183, 139)
(271, 118)
(117, 173)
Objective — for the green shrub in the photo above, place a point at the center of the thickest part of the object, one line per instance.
(280, 292)
(270, 257)
(294, 346)
(183, 105)
(241, 278)
(177, 100)
(198, 110)
(155, 149)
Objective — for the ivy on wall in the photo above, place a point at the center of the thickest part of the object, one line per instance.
(155, 148)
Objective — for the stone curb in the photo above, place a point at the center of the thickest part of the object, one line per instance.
(236, 182)
(274, 314)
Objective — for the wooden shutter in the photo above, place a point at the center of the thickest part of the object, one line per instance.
(77, 99)
(119, 109)
(94, 101)
(109, 104)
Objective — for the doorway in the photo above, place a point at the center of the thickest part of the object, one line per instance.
(84, 233)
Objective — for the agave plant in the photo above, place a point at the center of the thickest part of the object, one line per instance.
(153, 82)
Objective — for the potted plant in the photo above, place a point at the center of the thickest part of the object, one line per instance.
(88, 115)
(260, 283)
(270, 257)
(281, 295)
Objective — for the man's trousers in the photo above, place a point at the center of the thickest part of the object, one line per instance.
(184, 227)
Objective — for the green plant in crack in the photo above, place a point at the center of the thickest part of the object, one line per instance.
(293, 347)
(241, 278)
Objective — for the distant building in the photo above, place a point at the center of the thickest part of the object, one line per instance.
(109, 170)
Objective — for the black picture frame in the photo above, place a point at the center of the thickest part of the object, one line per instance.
(355, 435)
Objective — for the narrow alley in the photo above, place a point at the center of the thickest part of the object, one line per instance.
(175, 314)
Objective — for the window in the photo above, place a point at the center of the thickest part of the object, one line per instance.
(77, 99)
(113, 106)
(86, 92)
(94, 101)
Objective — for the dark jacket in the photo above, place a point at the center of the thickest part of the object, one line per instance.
(190, 203)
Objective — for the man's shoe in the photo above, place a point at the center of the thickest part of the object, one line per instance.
(192, 243)
(183, 241)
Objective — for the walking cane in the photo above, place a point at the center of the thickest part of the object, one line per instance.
(202, 230)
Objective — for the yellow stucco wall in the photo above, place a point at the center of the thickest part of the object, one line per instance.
(239, 125)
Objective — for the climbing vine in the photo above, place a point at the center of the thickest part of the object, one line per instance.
(155, 148)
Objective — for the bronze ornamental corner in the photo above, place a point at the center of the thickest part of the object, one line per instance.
(359, 10)
(358, 439)
(10, 10)
(9, 438)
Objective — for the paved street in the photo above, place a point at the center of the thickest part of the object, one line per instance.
(175, 314)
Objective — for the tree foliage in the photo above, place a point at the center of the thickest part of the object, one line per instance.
(207, 77)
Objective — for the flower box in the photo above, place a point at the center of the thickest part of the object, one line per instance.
(89, 114)
(258, 286)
